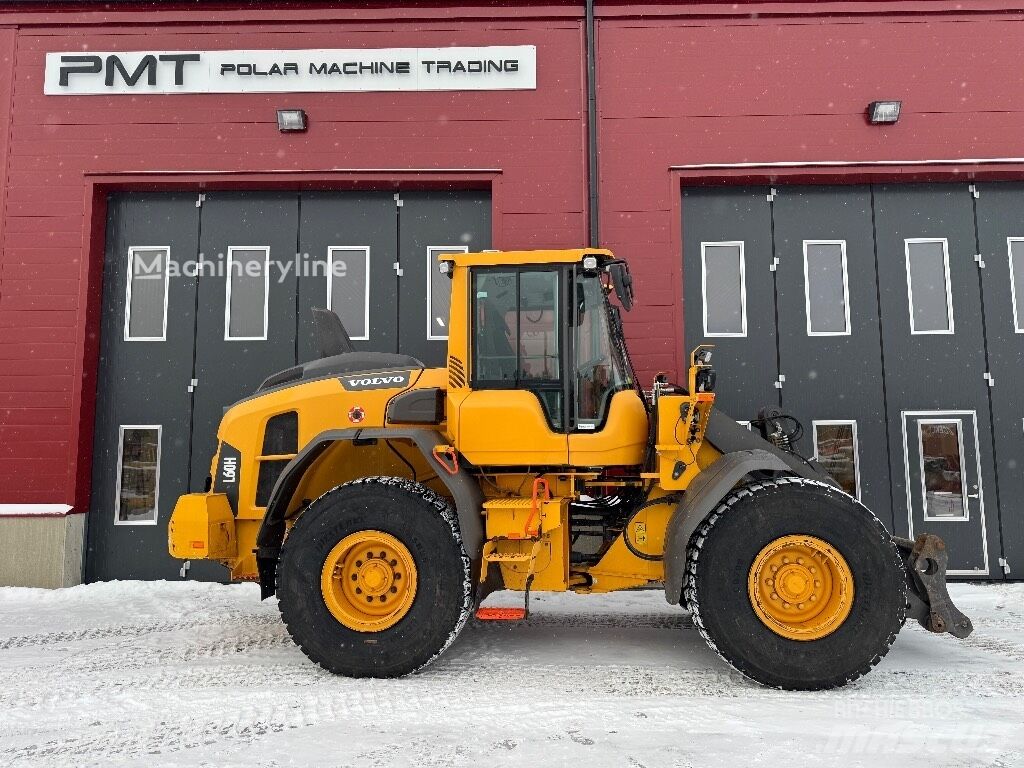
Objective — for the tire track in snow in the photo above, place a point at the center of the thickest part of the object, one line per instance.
(143, 693)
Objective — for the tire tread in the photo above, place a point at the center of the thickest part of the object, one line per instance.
(701, 535)
(440, 506)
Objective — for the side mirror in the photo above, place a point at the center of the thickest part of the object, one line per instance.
(622, 282)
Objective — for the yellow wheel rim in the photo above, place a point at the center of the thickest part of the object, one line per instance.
(369, 581)
(801, 587)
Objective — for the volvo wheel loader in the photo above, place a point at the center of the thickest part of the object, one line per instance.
(382, 501)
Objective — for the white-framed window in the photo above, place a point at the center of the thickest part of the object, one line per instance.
(929, 290)
(348, 288)
(1015, 250)
(724, 288)
(940, 444)
(826, 288)
(837, 450)
(247, 297)
(439, 292)
(145, 306)
(137, 495)
(745, 424)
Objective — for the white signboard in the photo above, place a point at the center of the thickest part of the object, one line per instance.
(492, 68)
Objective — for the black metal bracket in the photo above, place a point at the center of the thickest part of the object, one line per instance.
(925, 560)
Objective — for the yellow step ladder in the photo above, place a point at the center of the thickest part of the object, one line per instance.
(515, 533)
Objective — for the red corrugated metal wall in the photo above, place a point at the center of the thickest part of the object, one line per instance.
(679, 83)
(786, 82)
(536, 139)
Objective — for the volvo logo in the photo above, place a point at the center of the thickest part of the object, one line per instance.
(376, 381)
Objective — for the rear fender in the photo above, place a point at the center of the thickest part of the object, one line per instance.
(463, 489)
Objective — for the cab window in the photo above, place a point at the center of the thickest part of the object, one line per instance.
(517, 340)
(599, 373)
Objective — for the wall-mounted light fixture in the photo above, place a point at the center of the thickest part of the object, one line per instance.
(884, 112)
(291, 120)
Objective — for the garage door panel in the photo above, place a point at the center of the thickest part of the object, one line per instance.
(927, 273)
(1000, 210)
(141, 456)
(727, 258)
(246, 324)
(934, 345)
(176, 350)
(354, 238)
(432, 223)
(828, 334)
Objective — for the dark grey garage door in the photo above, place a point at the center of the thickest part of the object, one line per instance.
(885, 319)
(205, 297)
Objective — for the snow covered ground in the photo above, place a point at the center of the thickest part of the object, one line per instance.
(187, 674)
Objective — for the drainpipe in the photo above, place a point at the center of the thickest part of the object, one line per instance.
(592, 169)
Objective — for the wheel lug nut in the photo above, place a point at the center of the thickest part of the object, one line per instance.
(369, 599)
(785, 560)
(359, 591)
(813, 569)
(800, 560)
(774, 596)
(800, 606)
(354, 577)
(786, 605)
(769, 582)
(398, 576)
(394, 563)
(775, 568)
(382, 598)
(817, 583)
(358, 563)
(383, 555)
(369, 555)
(813, 598)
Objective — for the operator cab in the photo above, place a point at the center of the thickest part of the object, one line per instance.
(547, 360)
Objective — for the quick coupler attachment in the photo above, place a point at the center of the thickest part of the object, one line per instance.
(925, 561)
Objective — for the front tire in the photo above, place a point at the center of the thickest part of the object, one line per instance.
(809, 625)
(374, 580)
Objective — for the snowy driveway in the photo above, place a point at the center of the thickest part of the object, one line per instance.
(187, 674)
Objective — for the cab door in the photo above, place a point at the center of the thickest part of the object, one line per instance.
(514, 412)
(609, 421)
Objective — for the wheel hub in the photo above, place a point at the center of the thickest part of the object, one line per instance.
(369, 581)
(800, 587)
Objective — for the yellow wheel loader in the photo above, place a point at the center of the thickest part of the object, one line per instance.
(382, 501)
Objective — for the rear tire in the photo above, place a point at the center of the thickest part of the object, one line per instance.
(718, 585)
(422, 530)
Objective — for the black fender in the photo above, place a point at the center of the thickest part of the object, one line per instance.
(703, 495)
(463, 488)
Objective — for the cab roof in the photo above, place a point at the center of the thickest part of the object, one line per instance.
(501, 258)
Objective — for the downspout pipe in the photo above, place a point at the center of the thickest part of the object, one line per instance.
(592, 167)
